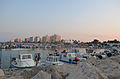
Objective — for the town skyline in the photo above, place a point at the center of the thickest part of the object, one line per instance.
(46, 38)
(51, 38)
(78, 20)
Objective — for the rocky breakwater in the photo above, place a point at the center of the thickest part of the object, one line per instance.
(108, 68)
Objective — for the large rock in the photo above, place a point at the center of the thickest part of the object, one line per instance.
(86, 71)
(116, 59)
(55, 74)
(1, 72)
(109, 67)
(42, 75)
(15, 77)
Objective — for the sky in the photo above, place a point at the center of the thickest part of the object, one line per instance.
(82, 20)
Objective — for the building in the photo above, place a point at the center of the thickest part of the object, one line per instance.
(31, 39)
(46, 38)
(18, 40)
(68, 41)
(27, 40)
(37, 39)
(12, 40)
(55, 38)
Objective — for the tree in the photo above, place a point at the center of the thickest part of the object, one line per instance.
(113, 41)
(95, 41)
(75, 42)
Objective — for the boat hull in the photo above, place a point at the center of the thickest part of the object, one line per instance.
(65, 61)
(16, 66)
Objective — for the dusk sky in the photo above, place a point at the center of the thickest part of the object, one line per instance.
(83, 20)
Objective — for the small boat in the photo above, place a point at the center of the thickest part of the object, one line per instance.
(70, 57)
(23, 61)
(51, 60)
(19, 49)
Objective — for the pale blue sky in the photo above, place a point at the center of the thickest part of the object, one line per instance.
(73, 19)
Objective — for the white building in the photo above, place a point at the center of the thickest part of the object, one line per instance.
(31, 39)
(46, 38)
(68, 41)
(37, 39)
(55, 38)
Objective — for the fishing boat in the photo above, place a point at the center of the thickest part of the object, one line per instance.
(23, 61)
(51, 60)
(70, 57)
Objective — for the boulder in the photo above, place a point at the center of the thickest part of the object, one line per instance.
(1, 73)
(86, 71)
(42, 75)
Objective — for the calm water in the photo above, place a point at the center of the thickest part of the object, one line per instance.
(6, 55)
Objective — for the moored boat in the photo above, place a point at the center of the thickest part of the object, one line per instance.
(23, 61)
(51, 60)
(70, 57)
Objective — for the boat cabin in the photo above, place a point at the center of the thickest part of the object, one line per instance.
(53, 60)
(68, 55)
(25, 57)
(23, 61)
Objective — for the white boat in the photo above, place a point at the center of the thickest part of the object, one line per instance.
(19, 49)
(104, 55)
(23, 61)
(70, 57)
(51, 60)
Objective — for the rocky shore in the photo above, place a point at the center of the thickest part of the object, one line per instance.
(108, 68)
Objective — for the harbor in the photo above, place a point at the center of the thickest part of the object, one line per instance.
(59, 39)
(85, 63)
(108, 68)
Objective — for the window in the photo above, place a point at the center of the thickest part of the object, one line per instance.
(64, 55)
(19, 56)
(69, 55)
(26, 57)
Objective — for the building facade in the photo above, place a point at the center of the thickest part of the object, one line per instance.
(46, 38)
(37, 39)
(31, 39)
(55, 38)
(18, 40)
(27, 40)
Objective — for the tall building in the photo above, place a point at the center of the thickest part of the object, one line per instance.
(27, 40)
(46, 38)
(37, 39)
(31, 39)
(55, 38)
(12, 40)
(18, 40)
